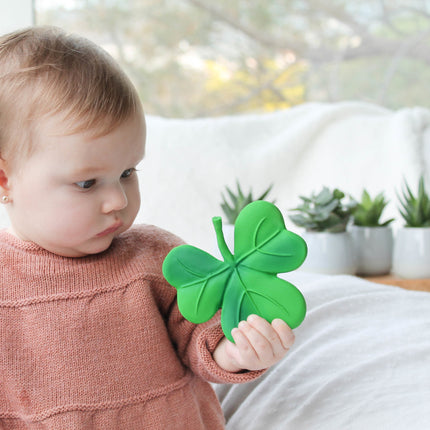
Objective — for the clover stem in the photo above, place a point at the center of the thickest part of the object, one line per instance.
(225, 252)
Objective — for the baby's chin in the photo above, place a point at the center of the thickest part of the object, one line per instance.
(83, 250)
(105, 242)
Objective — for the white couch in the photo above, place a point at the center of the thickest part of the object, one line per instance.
(346, 145)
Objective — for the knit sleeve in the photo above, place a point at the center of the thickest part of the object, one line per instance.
(196, 344)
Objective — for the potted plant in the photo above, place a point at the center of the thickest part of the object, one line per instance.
(373, 238)
(411, 255)
(231, 206)
(325, 216)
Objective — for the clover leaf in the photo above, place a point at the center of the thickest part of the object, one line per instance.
(244, 283)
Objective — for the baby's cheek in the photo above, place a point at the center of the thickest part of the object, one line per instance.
(74, 222)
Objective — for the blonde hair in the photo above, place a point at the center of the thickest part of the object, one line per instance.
(44, 71)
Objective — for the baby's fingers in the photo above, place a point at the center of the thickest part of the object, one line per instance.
(273, 341)
(245, 338)
(259, 344)
(278, 334)
(284, 332)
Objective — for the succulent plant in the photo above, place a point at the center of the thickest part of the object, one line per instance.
(324, 211)
(415, 210)
(238, 200)
(368, 211)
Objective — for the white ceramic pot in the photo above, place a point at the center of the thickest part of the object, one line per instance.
(329, 253)
(411, 256)
(373, 248)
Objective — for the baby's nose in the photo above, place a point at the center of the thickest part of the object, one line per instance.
(115, 199)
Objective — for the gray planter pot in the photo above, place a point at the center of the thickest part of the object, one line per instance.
(373, 248)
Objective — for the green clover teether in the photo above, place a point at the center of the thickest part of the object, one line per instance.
(244, 283)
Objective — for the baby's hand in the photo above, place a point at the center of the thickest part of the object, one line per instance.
(258, 345)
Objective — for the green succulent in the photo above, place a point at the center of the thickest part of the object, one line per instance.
(415, 210)
(325, 211)
(238, 200)
(368, 211)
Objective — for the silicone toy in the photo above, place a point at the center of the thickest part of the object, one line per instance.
(244, 283)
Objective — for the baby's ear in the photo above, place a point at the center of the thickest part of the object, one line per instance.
(4, 181)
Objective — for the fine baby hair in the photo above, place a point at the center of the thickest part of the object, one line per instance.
(44, 71)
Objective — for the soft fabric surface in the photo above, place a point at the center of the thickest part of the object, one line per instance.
(348, 145)
(361, 360)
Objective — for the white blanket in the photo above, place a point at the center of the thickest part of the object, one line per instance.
(361, 360)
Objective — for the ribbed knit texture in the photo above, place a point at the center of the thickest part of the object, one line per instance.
(98, 342)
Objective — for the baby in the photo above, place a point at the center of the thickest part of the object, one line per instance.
(90, 333)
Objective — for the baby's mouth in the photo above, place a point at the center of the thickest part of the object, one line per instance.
(112, 229)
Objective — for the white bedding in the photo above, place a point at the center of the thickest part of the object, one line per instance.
(361, 360)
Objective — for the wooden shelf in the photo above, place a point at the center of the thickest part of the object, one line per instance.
(409, 284)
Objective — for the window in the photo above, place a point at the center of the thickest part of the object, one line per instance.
(193, 58)
(16, 14)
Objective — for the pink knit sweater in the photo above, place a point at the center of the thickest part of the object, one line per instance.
(98, 342)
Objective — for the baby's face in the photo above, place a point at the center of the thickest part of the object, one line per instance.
(75, 193)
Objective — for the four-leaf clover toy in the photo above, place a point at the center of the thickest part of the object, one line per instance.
(246, 282)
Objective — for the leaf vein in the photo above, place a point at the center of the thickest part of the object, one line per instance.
(206, 278)
(274, 254)
(257, 248)
(199, 297)
(272, 301)
(189, 270)
(245, 293)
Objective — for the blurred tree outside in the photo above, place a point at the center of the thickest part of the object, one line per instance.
(194, 58)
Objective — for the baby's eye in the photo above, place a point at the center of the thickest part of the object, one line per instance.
(128, 172)
(86, 184)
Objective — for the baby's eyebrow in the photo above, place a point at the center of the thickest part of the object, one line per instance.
(94, 170)
(86, 170)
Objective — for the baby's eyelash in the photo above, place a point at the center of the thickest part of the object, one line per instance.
(86, 184)
(127, 173)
